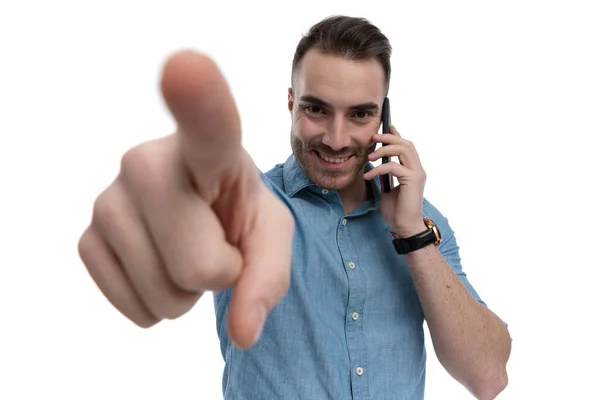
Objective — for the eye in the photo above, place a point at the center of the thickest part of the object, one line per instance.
(362, 114)
(312, 109)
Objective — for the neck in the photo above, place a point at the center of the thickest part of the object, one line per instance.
(354, 194)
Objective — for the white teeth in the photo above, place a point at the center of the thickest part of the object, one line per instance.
(333, 160)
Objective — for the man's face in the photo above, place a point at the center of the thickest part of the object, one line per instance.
(336, 109)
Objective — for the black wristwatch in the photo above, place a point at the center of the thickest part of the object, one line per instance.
(430, 236)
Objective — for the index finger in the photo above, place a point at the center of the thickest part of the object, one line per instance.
(208, 123)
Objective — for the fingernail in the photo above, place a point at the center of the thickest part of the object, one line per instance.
(261, 316)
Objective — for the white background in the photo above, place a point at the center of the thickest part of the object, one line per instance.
(502, 100)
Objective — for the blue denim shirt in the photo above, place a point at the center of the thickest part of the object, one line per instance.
(351, 324)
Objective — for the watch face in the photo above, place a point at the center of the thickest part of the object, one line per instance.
(431, 225)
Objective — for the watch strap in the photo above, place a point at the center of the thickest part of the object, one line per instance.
(430, 236)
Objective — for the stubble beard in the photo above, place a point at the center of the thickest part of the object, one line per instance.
(332, 180)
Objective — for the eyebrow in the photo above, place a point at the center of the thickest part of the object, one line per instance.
(369, 106)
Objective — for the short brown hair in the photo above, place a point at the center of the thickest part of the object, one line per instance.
(347, 37)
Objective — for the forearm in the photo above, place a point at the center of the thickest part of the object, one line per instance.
(470, 341)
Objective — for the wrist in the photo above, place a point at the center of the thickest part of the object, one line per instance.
(406, 232)
(415, 238)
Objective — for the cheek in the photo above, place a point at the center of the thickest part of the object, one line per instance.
(363, 136)
(306, 129)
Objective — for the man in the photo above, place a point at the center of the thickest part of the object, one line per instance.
(321, 280)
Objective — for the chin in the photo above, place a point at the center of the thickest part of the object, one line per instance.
(332, 180)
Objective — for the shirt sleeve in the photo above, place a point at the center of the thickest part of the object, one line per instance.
(449, 247)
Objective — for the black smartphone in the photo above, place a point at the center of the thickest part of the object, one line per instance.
(386, 121)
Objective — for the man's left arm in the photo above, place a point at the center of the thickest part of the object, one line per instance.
(470, 341)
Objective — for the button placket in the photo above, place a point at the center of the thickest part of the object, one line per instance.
(356, 300)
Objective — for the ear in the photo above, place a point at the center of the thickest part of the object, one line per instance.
(290, 99)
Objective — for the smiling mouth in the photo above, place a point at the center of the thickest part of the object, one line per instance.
(332, 160)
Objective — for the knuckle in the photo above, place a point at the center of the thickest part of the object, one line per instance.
(139, 167)
(105, 208)
(211, 264)
(177, 311)
(144, 321)
(170, 307)
(132, 310)
(186, 276)
(84, 246)
(145, 168)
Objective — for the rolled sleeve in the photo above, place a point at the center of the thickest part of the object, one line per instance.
(449, 247)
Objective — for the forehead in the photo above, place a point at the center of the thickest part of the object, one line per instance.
(339, 81)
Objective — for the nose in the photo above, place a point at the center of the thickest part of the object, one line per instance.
(337, 136)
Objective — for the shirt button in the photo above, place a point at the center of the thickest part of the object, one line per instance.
(355, 316)
(359, 371)
(324, 191)
(344, 222)
(351, 265)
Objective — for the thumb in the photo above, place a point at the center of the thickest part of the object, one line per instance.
(265, 277)
(208, 123)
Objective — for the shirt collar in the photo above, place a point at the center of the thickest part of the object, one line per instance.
(295, 179)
